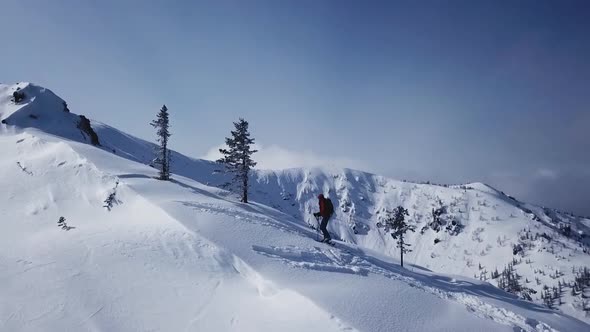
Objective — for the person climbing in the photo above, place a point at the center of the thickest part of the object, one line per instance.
(326, 211)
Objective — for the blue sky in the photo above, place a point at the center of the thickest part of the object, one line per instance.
(448, 91)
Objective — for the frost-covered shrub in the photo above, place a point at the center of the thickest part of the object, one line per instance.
(112, 198)
(62, 223)
(517, 248)
(455, 227)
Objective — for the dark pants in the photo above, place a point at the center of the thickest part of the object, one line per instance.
(323, 228)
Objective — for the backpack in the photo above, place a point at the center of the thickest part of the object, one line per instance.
(329, 207)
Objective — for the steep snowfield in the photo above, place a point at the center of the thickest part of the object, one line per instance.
(185, 256)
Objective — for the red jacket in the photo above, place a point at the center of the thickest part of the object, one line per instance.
(322, 202)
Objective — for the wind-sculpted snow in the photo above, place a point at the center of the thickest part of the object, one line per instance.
(315, 259)
(468, 293)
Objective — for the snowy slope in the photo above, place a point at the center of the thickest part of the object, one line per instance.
(489, 224)
(186, 256)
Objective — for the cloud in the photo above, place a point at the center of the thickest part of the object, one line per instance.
(277, 157)
(546, 173)
(564, 189)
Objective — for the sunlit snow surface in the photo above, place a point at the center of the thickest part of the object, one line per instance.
(186, 256)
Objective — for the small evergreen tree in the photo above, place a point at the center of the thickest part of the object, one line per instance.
(112, 198)
(547, 297)
(395, 223)
(237, 158)
(495, 274)
(162, 160)
(63, 225)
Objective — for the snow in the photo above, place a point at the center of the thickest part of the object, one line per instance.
(186, 256)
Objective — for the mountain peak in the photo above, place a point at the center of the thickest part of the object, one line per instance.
(26, 105)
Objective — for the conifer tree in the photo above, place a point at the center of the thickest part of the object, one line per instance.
(162, 160)
(396, 224)
(237, 158)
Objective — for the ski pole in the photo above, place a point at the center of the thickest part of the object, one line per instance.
(317, 229)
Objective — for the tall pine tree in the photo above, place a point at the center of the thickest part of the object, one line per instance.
(395, 223)
(237, 158)
(162, 160)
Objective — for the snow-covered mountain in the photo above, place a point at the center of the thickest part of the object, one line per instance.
(185, 255)
(479, 231)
